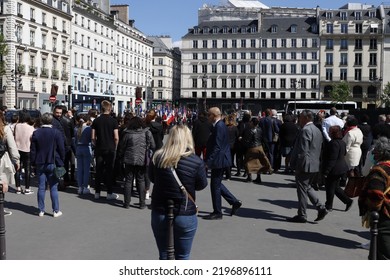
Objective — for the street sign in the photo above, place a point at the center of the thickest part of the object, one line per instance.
(138, 101)
(52, 98)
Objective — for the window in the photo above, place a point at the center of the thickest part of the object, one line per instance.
(194, 68)
(374, 28)
(234, 68)
(243, 43)
(329, 28)
(233, 83)
(213, 68)
(253, 55)
(293, 55)
(359, 28)
(253, 43)
(273, 68)
(293, 43)
(224, 68)
(54, 23)
(358, 74)
(283, 55)
(344, 44)
(372, 14)
(32, 38)
(234, 55)
(234, 29)
(264, 69)
(264, 43)
(343, 59)
(329, 15)
(224, 43)
(205, 44)
(243, 55)
(224, 83)
(303, 55)
(358, 59)
(358, 44)
(283, 68)
(293, 69)
(194, 56)
(274, 28)
(273, 43)
(329, 44)
(234, 43)
(160, 72)
(314, 43)
(264, 56)
(344, 28)
(242, 83)
(303, 68)
(304, 43)
(273, 55)
(32, 14)
(282, 83)
(204, 68)
(224, 55)
(313, 69)
(329, 59)
(204, 56)
(214, 44)
(373, 44)
(313, 84)
(343, 16)
(284, 43)
(214, 56)
(252, 68)
(358, 15)
(314, 55)
(194, 44)
(273, 83)
(252, 84)
(293, 28)
(225, 29)
(372, 59)
(243, 68)
(343, 74)
(329, 74)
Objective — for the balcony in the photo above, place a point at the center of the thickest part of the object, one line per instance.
(44, 73)
(21, 69)
(32, 71)
(54, 74)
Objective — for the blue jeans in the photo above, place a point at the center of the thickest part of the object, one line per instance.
(84, 157)
(219, 190)
(46, 175)
(184, 233)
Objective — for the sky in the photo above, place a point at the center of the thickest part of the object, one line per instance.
(175, 17)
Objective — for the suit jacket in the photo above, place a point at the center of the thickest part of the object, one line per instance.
(306, 153)
(218, 147)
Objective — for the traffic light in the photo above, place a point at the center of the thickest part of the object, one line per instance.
(70, 89)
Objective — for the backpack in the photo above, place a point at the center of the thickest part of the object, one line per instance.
(3, 148)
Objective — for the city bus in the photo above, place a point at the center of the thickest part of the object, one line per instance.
(317, 105)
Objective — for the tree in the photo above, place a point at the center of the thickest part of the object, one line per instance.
(340, 92)
(385, 96)
(3, 53)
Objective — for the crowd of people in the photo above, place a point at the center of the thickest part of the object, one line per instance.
(320, 149)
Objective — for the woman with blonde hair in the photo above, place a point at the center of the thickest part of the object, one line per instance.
(177, 155)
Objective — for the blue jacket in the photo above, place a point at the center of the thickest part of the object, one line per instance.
(218, 147)
(46, 144)
(192, 174)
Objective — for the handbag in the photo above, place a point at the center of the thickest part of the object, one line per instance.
(59, 171)
(354, 186)
(184, 190)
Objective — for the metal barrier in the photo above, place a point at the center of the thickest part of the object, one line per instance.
(374, 235)
(171, 242)
(2, 225)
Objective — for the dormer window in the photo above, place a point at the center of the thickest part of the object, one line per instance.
(215, 30)
(253, 29)
(196, 30)
(243, 29)
(314, 28)
(343, 16)
(234, 29)
(294, 28)
(225, 29)
(206, 30)
(329, 15)
(274, 28)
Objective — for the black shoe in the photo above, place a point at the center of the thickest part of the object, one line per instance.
(248, 179)
(245, 174)
(257, 180)
(297, 219)
(126, 206)
(213, 216)
(142, 206)
(237, 174)
(321, 214)
(348, 205)
(235, 207)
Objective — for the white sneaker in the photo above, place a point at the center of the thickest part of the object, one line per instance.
(147, 195)
(97, 195)
(41, 214)
(28, 191)
(57, 214)
(112, 196)
(7, 213)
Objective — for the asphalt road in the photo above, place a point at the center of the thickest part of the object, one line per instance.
(103, 230)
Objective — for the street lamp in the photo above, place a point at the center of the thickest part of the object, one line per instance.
(204, 80)
(16, 74)
(296, 82)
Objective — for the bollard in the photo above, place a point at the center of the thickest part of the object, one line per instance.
(170, 217)
(374, 235)
(2, 225)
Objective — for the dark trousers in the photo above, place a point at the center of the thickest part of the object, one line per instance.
(24, 163)
(67, 162)
(218, 190)
(332, 186)
(104, 170)
(137, 172)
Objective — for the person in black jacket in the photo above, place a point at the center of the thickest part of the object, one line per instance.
(367, 140)
(201, 132)
(178, 153)
(334, 167)
(288, 132)
(241, 149)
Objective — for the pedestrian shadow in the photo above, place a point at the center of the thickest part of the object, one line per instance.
(277, 185)
(251, 213)
(28, 209)
(315, 237)
(363, 234)
(289, 204)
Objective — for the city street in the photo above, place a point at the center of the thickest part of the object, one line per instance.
(100, 230)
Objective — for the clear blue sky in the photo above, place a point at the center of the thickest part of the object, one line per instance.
(175, 17)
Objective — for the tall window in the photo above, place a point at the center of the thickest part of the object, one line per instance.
(344, 28)
(329, 74)
(343, 74)
(358, 74)
(358, 59)
(343, 59)
(329, 28)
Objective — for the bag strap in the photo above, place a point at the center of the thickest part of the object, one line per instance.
(182, 187)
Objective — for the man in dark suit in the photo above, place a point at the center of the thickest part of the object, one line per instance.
(217, 159)
(305, 160)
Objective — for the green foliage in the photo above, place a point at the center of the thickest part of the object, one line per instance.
(3, 54)
(340, 92)
(385, 95)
